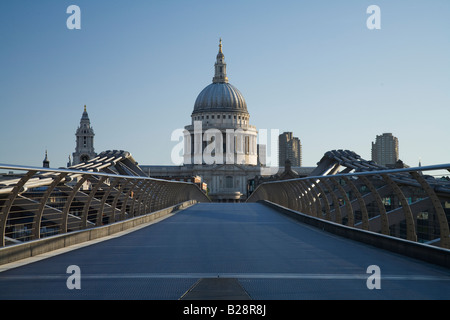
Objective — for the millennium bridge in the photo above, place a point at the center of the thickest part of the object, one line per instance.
(104, 230)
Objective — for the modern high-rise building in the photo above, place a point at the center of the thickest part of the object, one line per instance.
(289, 148)
(385, 150)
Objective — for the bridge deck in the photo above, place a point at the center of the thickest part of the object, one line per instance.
(269, 255)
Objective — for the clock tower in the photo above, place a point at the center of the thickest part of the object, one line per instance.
(84, 150)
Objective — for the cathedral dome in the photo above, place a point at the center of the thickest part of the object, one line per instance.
(221, 97)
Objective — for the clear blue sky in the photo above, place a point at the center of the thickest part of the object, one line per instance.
(310, 67)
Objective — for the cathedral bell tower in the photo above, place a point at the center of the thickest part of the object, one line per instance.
(46, 162)
(84, 150)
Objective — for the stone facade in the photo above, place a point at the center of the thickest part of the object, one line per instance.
(220, 145)
(84, 150)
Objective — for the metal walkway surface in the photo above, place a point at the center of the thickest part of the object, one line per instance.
(264, 254)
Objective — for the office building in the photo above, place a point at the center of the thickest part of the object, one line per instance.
(289, 148)
(385, 150)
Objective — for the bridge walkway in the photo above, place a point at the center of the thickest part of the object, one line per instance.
(264, 255)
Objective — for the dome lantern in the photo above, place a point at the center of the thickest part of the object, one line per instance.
(220, 96)
(220, 67)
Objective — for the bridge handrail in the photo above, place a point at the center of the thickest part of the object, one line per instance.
(375, 172)
(38, 202)
(77, 172)
(401, 202)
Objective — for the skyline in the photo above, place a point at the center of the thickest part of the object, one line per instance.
(310, 68)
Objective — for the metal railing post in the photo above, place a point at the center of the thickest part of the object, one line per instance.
(381, 208)
(84, 215)
(66, 210)
(38, 217)
(410, 225)
(362, 204)
(9, 202)
(442, 218)
(101, 211)
(323, 196)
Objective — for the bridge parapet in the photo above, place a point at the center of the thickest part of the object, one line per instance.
(37, 202)
(407, 203)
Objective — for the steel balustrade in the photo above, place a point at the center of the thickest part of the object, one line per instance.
(40, 202)
(407, 203)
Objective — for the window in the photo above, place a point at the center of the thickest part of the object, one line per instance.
(247, 145)
(229, 182)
